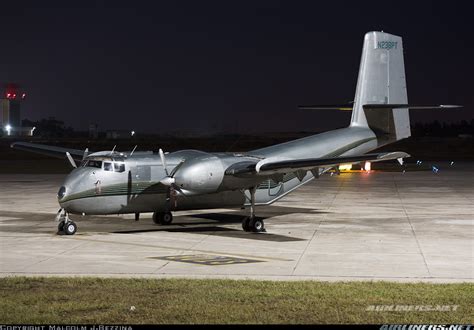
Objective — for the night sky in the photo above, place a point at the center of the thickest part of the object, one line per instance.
(163, 66)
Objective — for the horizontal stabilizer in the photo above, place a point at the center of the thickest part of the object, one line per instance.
(410, 106)
(343, 107)
(349, 107)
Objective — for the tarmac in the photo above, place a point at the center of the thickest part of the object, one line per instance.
(410, 227)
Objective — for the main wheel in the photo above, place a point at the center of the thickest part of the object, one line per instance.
(61, 226)
(257, 225)
(246, 224)
(162, 218)
(70, 228)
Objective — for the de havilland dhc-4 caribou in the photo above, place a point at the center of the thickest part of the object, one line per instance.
(111, 182)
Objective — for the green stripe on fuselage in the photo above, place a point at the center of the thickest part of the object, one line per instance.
(138, 188)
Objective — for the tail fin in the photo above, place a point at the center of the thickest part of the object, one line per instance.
(382, 82)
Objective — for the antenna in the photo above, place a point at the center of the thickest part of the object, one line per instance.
(133, 150)
(113, 149)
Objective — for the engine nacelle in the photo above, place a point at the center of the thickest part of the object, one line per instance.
(202, 175)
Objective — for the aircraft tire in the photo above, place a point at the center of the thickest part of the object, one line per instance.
(246, 224)
(61, 226)
(162, 218)
(70, 228)
(257, 225)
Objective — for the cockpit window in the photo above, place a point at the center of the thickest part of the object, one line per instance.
(94, 163)
(119, 167)
(108, 166)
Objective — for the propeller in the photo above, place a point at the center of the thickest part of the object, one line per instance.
(169, 180)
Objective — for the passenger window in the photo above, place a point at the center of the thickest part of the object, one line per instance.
(108, 166)
(119, 167)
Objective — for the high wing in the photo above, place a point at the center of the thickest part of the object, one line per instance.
(270, 166)
(52, 151)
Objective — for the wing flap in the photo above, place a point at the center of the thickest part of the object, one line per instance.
(269, 166)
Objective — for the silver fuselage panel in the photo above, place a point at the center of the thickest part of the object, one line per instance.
(93, 190)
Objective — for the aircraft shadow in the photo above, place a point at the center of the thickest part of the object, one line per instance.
(220, 231)
(212, 221)
(203, 223)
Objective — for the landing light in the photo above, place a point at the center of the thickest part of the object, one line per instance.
(367, 166)
(345, 167)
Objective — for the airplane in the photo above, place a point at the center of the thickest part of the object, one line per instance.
(112, 182)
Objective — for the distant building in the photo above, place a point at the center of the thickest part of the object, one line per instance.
(10, 116)
(93, 131)
(119, 134)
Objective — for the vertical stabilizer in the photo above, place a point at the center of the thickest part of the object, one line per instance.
(382, 81)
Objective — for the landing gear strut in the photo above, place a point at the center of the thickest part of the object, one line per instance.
(162, 218)
(252, 223)
(66, 225)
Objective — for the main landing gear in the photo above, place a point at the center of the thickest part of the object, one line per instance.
(252, 223)
(66, 225)
(162, 218)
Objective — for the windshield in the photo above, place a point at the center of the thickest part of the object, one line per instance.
(109, 164)
(114, 167)
(93, 163)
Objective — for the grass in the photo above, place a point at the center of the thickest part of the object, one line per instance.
(97, 300)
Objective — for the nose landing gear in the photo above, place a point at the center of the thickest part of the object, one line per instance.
(66, 225)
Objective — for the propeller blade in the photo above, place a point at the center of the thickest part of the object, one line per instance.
(176, 168)
(71, 160)
(86, 152)
(163, 161)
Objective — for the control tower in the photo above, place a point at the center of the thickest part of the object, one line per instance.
(12, 95)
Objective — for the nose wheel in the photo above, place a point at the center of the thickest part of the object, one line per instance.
(251, 223)
(66, 225)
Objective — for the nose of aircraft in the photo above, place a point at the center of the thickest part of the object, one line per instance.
(61, 192)
(72, 185)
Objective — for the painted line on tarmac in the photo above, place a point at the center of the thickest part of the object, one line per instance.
(207, 260)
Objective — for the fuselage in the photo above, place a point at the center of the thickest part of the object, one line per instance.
(114, 183)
